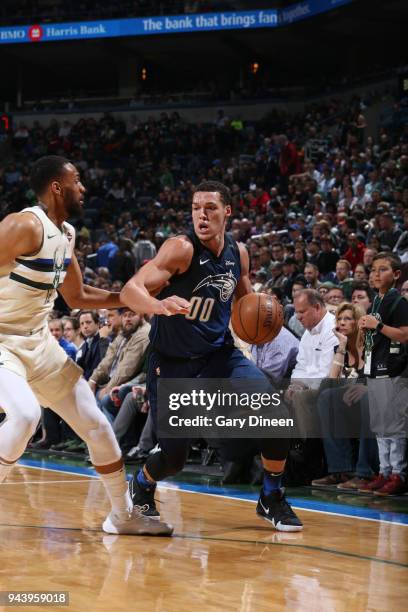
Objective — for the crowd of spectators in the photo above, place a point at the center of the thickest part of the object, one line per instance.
(315, 199)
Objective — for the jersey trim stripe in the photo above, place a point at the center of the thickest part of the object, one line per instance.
(30, 283)
(40, 264)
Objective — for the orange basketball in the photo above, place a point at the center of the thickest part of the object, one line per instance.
(257, 318)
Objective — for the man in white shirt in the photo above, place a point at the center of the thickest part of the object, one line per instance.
(314, 357)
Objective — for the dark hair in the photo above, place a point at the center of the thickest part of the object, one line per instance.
(93, 313)
(225, 193)
(393, 259)
(45, 170)
(362, 286)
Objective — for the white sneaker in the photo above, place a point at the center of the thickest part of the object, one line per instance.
(136, 524)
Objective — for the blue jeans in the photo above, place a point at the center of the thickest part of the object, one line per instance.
(108, 407)
(339, 451)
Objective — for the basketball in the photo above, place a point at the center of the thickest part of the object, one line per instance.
(257, 318)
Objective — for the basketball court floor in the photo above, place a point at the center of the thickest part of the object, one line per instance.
(352, 554)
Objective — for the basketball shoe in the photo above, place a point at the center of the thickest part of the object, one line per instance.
(276, 510)
(143, 499)
(135, 524)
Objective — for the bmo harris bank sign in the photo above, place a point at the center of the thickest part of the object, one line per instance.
(174, 24)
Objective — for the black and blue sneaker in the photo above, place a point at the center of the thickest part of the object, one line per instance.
(276, 510)
(143, 499)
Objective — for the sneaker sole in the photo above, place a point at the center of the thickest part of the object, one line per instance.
(109, 527)
(279, 526)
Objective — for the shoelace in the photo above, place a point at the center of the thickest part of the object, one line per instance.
(142, 509)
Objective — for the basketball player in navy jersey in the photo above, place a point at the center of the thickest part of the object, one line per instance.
(208, 268)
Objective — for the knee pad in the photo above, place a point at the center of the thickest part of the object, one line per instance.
(160, 465)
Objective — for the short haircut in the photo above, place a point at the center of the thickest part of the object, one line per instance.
(393, 259)
(58, 321)
(73, 320)
(309, 264)
(362, 286)
(313, 297)
(216, 186)
(344, 261)
(93, 313)
(45, 170)
(336, 288)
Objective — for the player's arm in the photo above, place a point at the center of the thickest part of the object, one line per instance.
(174, 257)
(244, 284)
(20, 234)
(78, 295)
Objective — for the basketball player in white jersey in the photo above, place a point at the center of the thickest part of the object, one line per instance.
(37, 258)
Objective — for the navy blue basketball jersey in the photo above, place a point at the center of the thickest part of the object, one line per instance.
(209, 285)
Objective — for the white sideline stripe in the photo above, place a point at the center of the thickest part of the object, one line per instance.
(251, 501)
(28, 482)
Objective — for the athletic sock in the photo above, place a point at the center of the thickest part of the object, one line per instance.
(144, 482)
(118, 492)
(272, 482)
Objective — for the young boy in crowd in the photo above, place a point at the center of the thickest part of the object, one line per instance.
(386, 362)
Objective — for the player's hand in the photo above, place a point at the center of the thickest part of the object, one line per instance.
(171, 306)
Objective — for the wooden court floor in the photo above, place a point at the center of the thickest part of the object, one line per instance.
(221, 557)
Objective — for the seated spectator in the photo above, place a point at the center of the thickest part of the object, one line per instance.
(342, 278)
(56, 328)
(333, 298)
(390, 233)
(360, 273)
(311, 274)
(277, 358)
(312, 365)
(290, 318)
(72, 331)
(355, 252)
(122, 362)
(334, 408)
(113, 323)
(362, 295)
(93, 349)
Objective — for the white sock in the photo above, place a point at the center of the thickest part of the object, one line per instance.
(117, 489)
(5, 471)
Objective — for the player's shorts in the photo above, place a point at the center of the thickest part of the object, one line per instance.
(40, 360)
(226, 362)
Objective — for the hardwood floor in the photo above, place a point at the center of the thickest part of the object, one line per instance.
(222, 557)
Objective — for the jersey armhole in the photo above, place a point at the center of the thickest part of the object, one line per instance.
(42, 239)
(195, 251)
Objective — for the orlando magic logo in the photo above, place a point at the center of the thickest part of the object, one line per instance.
(225, 283)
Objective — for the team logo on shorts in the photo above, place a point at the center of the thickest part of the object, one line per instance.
(225, 283)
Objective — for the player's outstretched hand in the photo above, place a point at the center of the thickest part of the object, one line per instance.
(171, 306)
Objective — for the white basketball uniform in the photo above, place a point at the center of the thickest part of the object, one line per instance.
(28, 289)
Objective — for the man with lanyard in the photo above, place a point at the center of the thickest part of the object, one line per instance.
(385, 357)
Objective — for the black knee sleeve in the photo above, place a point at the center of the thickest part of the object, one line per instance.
(163, 464)
(275, 449)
